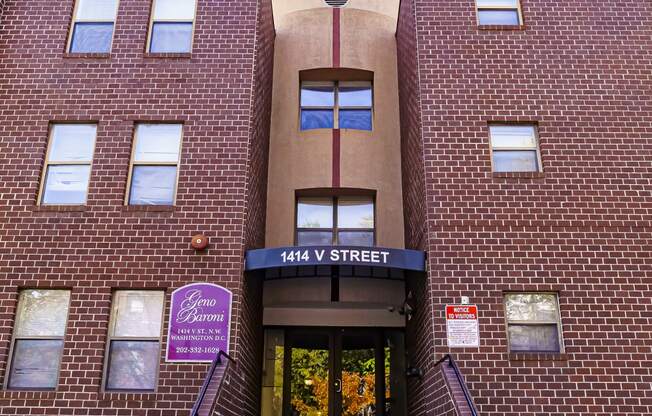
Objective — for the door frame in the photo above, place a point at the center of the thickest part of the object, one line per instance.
(335, 347)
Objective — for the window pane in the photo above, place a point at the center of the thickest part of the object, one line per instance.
(531, 307)
(174, 9)
(132, 365)
(355, 119)
(315, 213)
(72, 143)
(171, 38)
(315, 238)
(157, 142)
(533, 338)
(42, 313)
(66, 184)
(317, 96)
(513, 136)
(515, 161)
(316, 119)
(355, 212)
(96, 9)
(35, 364)
(153, 185)
(497, 3)
(355, 238)
(92, 38)
(498, 17)
(352, 95)
(137, 313)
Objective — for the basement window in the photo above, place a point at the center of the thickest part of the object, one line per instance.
(134, 340)
(499, 12)
(514, 148)
(37, 344)
(344, 220)
(92, 28)
(533, 322)
(336, 105)
(172, 26)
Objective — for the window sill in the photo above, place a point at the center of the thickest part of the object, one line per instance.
(501, 27)
(167, 55)
(519, 175)
(59, 208)
(150, 208)
(86, 55)
(538, 356)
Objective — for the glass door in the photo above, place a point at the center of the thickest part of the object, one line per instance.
(361, 367)
(334, 372)
(308, 371)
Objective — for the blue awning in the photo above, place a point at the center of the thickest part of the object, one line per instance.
(282, 257)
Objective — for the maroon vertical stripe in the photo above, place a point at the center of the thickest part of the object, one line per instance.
(336, 37)
(336, 158)
(336, 64)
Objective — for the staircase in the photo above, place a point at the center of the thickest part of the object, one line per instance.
(210, 390)
(460, 395)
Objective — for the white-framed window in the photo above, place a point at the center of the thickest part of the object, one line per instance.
(134, 341)
(515, 148)
(67, 169)
(154, 169)
(499, 12)
(533, 322)
(343, 220)
(92, 26)
(336, 105)
(171, 27)
(37, 342)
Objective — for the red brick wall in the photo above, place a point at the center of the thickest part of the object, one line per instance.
(249, 358)
(582, 228)
(419, 334)
(106, 245)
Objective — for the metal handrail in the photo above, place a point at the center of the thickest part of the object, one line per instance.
(211, 371)
(460, 381)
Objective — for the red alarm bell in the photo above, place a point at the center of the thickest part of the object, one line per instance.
(199, 242)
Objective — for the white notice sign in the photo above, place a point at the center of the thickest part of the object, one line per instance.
(462, 326)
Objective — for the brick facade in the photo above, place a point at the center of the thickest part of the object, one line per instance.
(241, 398)
(581, 228)
(103, 246)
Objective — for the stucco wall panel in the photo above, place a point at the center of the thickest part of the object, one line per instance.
(372, 159)
(296, 159)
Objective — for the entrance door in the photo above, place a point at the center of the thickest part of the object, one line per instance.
(340, 372)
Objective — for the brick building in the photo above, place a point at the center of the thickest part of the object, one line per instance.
(355, 167)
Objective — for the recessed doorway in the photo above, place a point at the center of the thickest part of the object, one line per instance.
(333, 372)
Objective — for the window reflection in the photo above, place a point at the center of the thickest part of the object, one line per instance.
(155, 163)
(67, 169)
(514, 148)
(353, 218)
(344, 105)
(92, 29)
(38, 339)
(134, 340)
(172, 26)
(533, 322)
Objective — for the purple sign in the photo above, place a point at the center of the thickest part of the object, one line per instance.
(200, 322)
